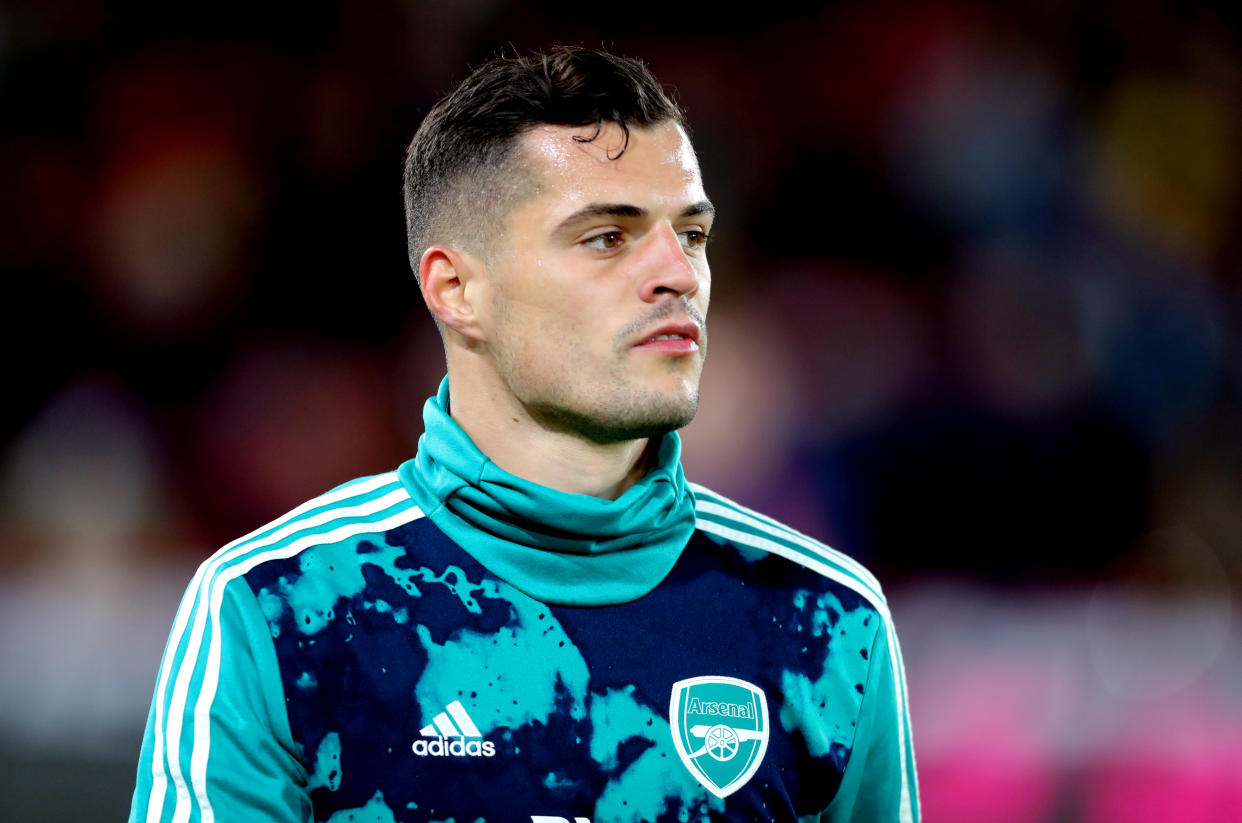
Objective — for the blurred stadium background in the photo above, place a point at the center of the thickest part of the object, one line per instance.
(978, 274)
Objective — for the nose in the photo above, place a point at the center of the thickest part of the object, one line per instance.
(665, 267)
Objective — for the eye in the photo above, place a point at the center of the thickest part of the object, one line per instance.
(694, 238)
(604, 241)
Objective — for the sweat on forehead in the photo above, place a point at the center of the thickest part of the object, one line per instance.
(658, 171)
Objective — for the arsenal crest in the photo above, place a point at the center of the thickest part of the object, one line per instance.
(720, 729)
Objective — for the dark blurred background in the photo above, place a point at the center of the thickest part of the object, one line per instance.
(978, 274)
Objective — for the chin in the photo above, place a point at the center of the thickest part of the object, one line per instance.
(661, 415)
(630, 418)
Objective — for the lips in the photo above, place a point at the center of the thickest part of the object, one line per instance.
(673, 331)
(671, 338)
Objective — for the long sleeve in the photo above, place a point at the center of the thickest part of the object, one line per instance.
(217, 742)
(879, 784)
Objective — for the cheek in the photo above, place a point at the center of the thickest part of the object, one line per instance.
(703, 296)
(563, 325)
(571, 306)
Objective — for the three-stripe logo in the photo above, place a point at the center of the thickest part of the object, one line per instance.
(452, 733)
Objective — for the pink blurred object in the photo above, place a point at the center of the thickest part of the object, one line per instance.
(986, 787)
(1145, 790)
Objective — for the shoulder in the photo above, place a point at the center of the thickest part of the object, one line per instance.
(220, 667)
(366, 506)
(729, 521)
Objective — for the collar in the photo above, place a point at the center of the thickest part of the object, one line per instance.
(557, 547)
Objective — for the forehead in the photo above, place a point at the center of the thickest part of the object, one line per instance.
(657, 170)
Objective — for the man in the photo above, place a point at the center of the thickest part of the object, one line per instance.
(537, 618)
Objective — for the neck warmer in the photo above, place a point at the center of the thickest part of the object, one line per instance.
(557, 547)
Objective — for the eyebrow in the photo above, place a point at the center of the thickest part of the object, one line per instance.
(626, 210)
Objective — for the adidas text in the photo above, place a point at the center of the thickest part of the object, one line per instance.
(447, 747)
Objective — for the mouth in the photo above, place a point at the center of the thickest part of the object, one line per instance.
(671, 338)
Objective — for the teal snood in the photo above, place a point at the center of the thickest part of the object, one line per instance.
(560, 548)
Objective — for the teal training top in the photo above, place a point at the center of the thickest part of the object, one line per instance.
(449, 642)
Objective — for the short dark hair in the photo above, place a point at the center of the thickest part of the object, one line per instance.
(463, 170)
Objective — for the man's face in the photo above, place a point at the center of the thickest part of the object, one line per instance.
(594, 316)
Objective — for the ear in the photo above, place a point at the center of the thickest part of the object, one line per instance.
(444, 274)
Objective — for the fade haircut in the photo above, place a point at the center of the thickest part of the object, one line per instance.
(464, 170)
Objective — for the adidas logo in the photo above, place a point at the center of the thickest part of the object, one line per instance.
(452, 732)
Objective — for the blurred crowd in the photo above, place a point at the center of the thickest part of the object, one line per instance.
(977, 283)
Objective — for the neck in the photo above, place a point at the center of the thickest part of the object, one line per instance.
(505, 431)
